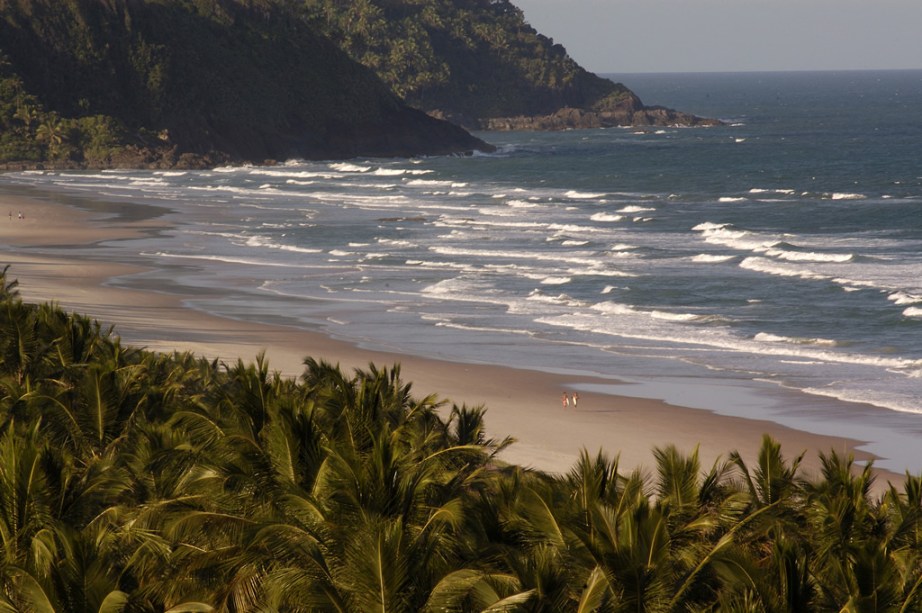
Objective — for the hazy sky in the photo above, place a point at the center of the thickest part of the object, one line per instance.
(732, 35)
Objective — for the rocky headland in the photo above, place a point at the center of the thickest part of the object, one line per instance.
(139, 83)
(478, 63)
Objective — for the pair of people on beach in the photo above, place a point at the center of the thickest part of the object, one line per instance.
(566, 401)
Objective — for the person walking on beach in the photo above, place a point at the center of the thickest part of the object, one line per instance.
(575, 399)
(565, 400)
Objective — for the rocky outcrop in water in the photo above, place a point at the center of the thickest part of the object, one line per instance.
(629, 111)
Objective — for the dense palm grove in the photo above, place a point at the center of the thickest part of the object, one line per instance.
(136, 481)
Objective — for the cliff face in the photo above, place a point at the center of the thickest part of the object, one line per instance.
(143, 82)
(479, 63)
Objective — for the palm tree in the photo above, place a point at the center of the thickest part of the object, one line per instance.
(20, 346)
(27, 114)
(853, 569)
(51, 131)
(773, 478)
(8, 291)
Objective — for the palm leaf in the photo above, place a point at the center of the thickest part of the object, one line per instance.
(114, 602)
(594, 591)
(31, 592)
(191, 607)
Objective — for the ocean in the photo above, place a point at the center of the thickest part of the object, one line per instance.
(763, 268)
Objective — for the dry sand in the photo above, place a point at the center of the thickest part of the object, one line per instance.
(520, 403)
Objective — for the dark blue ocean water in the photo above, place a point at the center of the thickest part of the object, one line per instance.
(781, 251)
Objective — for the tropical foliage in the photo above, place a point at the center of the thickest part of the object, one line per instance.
(136, 481)
(469, 59)
(151, 82)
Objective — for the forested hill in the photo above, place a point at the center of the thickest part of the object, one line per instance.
(479, 63)
(161, 83)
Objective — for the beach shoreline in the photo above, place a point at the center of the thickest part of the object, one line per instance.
(520, 403)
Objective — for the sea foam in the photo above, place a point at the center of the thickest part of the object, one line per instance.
(766, 337)
(708, 258)
(844, 196)
(767, 266)
(809, 256)
(347, 167)
(902, 298)
(606, 217)
(575, 195)
(731, 236)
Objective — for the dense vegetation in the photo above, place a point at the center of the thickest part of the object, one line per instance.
(470, 59)
(149, 82)
(135, 481)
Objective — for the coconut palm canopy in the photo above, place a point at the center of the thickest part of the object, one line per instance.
(137, 481)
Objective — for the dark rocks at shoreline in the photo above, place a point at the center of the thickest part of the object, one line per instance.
(628, 111)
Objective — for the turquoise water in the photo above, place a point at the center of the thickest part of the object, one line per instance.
(782, 251)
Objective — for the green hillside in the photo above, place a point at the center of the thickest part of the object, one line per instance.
(477, 61)
(148, 82)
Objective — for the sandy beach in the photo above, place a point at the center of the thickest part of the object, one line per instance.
(523, 404)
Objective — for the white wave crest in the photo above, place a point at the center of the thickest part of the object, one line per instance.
(668, 316)
(568, 227)
(770, 267)
(434, 183)
(262, 241)
(564, 299)
(912, 312)
(635, 209)
(759, 190)
(575, 195)
(709, 225)
(766, 337)
(217, 258)
(862, 396)
(606, 217)
(844, 196)
(521, 204)
(294, 174)
(809, 256)
(708, 258)
(902, 298)
(730, 236)
(431, 264)
(731, 199)
(613, 308)
(347, 167)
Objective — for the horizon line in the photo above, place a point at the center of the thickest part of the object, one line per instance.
(758, 70)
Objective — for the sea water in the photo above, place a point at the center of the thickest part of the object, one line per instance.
(780, 251)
